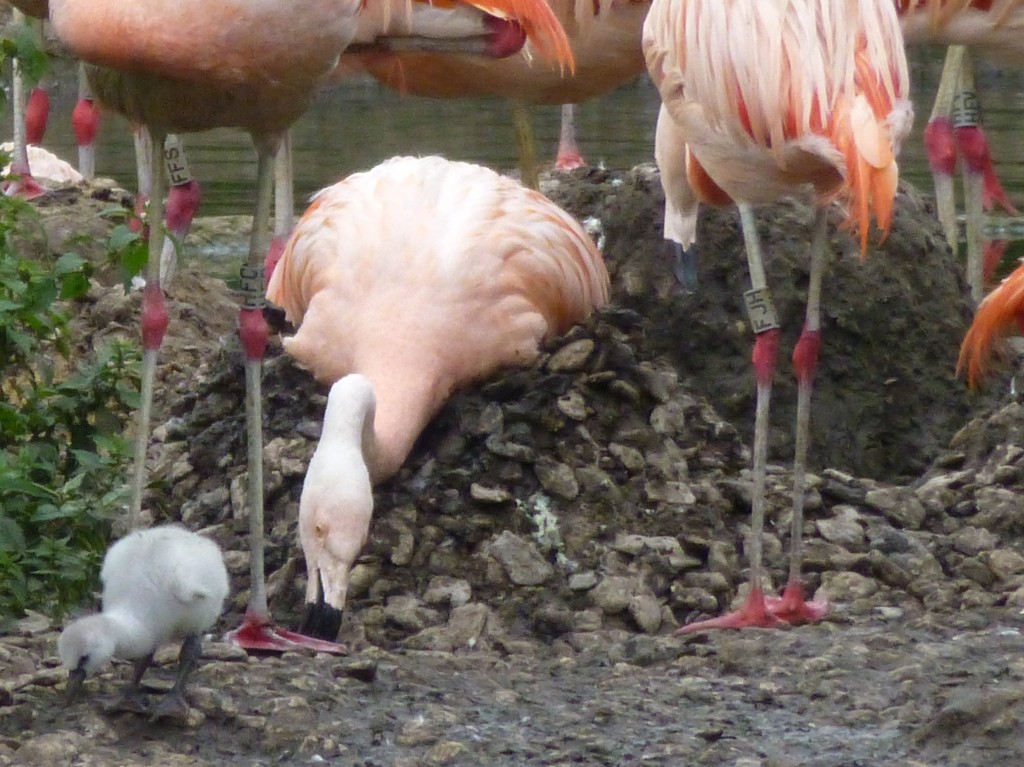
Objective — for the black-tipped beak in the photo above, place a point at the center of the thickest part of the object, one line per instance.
(322, 621)
(684, 265)
(76, 683)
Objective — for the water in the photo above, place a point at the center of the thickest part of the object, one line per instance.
(355, 124)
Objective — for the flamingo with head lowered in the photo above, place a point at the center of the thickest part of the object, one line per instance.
(407, 282)
(192, 65)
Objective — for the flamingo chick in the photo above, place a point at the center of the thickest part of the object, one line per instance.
(160, 585)
(767, 98)
(421, 275)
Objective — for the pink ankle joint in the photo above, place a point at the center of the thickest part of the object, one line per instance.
(85, 121)
(252, 330)
(154, 316)
(940, 146)
(37, 114)
(766, 356)
(973, 145)
(805, 355)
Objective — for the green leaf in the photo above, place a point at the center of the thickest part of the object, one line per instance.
(74, 286)
(11, 484)
(11, 536)
(32, 59)
(122, 237)
(68, 263)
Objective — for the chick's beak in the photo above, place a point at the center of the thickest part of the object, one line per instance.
(76, 684)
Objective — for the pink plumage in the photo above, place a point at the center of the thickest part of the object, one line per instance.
(424, 275)
(408, 281)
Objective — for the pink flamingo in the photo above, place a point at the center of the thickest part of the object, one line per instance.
(458, 272)
(191, 66)
(763, 99)
(993, 28)
(605, 40)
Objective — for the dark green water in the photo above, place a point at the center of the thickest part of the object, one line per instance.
(354, 125)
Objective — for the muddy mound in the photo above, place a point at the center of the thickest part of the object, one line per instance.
(886, 399)
(604, 487)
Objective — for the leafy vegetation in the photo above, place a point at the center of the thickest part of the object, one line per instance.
(23, 45)
(63, 457)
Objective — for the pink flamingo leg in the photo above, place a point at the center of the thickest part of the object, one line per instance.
(940, 143)
(755, 612)
(154, 325)
(85, 121)
(569, 156)
(940, 148)
(791, 609)
(22, 185)
(183, 201)
(258, 632)
(981, 186)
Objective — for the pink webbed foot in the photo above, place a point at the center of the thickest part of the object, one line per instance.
(754, 614)
(24, 186)
(792, 609)
(259, 634)
(767, 613)
(569, 160)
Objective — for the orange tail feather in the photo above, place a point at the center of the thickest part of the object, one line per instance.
(1000, 312)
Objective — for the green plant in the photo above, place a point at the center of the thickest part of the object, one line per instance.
(23, 45)
(63, 455)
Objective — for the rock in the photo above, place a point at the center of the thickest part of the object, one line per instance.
(848, 586)
(408, 613)
(999, 511)
(1004, 563)
(446, 590)
(634, 545)
(583, 581)
(899, 505)
(631, 458)
(557, 478)
(59, 747)
(646, 611)
(572, 405)
(972, 540)
(673, 493)
(520, 559)
(939, 493)
(466, 623)
(669, 418)
(613, 594)
(843, 528)
(571, 357)
(486, 494)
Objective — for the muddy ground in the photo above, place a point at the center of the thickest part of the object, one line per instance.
(516, 601)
